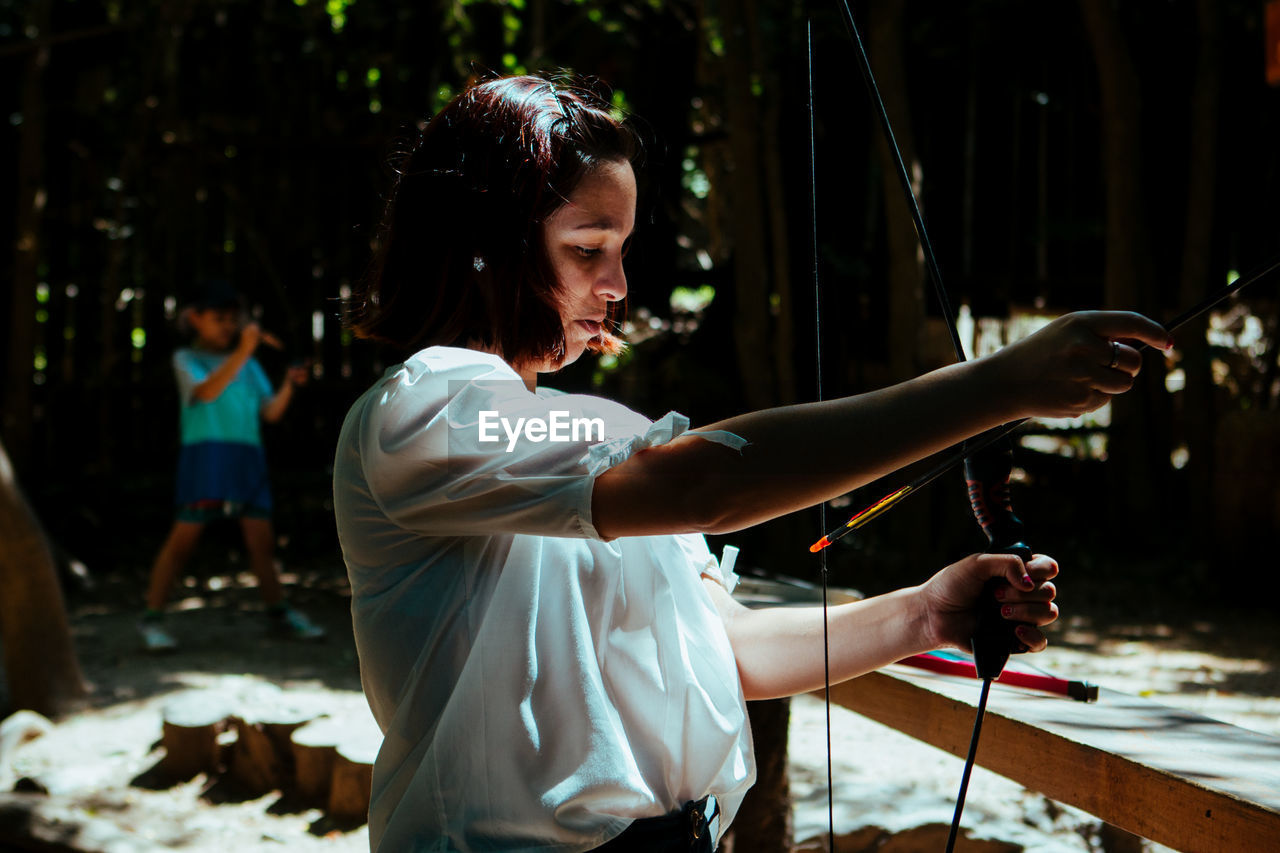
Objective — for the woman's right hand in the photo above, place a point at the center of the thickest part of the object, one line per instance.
(949, 600)
(1078, 362)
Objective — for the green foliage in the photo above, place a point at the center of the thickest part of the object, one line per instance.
(620, 109)
(337, 12)
(692, 300)
(248, 141)
(443, 94)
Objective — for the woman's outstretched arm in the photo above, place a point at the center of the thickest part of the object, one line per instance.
(800, 455)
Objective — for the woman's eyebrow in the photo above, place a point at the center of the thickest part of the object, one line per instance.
(597, 225)
(601, 225)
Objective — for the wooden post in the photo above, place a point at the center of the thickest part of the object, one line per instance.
(262, 755)
(351, 784)
(192, 725)
(315, 748)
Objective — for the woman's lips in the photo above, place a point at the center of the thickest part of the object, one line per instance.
(593, 327)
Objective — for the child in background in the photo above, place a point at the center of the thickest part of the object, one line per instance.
(222, 471)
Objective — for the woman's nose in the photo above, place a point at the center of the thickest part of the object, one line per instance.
(613, 286)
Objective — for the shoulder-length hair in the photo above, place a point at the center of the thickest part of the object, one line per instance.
(459, 258)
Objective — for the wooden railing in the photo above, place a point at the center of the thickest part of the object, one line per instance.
(1186, 781)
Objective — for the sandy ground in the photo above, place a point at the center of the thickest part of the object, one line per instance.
(98, 763)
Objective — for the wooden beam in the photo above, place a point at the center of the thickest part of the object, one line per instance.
(1177, 778)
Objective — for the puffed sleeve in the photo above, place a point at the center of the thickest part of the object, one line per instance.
(458, 446)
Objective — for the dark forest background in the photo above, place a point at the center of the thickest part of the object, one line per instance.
(1068, 155)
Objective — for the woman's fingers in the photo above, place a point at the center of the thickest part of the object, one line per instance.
(1032, 613)
(1042, 567)
(1125, 358)
(1079, 361)
(1022, 576)
(1032, 605)
(1042, 592)
(1032, 638)
(1125, 325)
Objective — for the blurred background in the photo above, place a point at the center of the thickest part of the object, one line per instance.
(1067, 155)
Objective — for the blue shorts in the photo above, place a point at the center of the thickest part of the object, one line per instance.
(222, 479)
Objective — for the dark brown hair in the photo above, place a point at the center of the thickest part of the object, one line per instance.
(459, 257)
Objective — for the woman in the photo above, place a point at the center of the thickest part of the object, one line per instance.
(550, 649)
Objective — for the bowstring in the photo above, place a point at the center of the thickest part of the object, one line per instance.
(822, 506)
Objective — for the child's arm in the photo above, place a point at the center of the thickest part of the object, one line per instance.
(221, 376)
(274, 408)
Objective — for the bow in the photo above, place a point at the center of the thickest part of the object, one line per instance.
(987, 460)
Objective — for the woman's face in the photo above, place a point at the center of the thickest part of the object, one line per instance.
(586, 240)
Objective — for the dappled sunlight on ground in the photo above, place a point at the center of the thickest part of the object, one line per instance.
(1225, 667)
(1221, 665)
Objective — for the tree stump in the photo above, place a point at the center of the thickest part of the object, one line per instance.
(351, 783)
(15, 730)
(262, 757)
(315, 747)
(193, 724)
(333, 763)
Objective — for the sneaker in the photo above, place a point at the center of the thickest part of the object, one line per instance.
(154, 636)
(294, 623)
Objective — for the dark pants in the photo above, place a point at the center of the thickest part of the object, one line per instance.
(685, 831)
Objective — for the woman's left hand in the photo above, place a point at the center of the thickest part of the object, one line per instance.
(950, 598)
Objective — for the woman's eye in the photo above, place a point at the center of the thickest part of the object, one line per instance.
(586, 252)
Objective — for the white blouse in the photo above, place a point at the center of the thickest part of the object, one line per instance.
(538, 688)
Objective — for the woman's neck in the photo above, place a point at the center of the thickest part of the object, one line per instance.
(528, 372)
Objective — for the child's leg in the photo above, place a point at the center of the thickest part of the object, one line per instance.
(173, 556)
(260, 542)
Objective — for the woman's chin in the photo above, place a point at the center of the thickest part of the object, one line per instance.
(573, 352)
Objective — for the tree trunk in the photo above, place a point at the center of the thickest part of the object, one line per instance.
(763, 824)
(39, 656)
(1138, 451)
(780, 300)
(886, 37)
(753, 326)
(1199, 416)
(15, 423)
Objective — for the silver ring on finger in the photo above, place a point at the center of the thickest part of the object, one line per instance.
(1115, 354)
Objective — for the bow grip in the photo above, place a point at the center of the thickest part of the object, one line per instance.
(987, 477)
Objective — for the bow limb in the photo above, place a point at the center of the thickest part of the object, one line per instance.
(986, 471)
